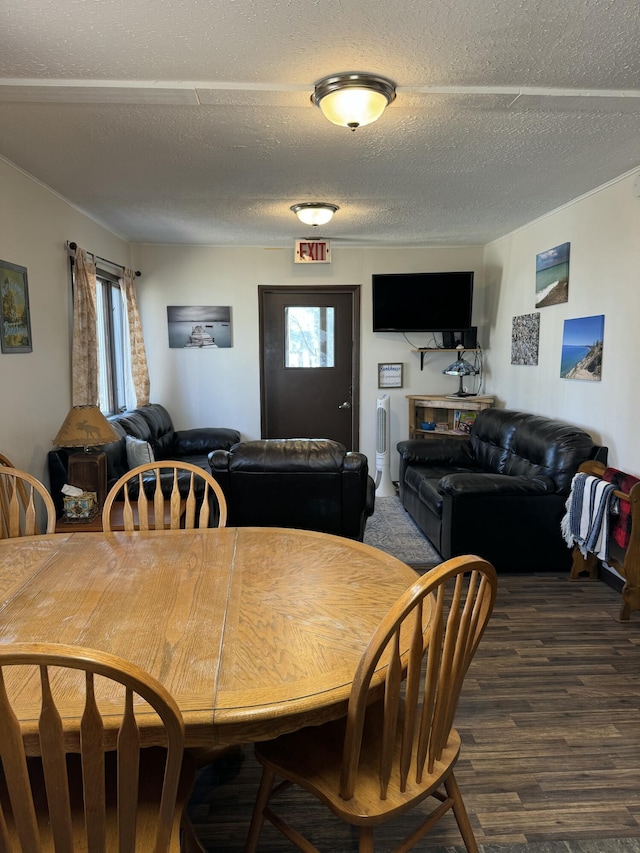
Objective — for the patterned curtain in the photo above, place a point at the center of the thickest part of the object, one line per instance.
(84, 358)
(137, 383)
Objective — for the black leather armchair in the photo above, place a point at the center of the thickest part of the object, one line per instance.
(313, 484)
(499, 494)
(151, 423)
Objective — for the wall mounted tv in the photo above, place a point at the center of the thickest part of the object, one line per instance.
(422, 302)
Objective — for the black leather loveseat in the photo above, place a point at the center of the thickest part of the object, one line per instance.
(501, 492)
(313, 484)
(152, 424)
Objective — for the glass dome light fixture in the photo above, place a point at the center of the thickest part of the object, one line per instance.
(314, 212)
(353, 99)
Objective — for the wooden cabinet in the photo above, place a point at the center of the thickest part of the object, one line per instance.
(450, 414)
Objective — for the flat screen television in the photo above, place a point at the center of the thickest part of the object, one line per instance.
(422, 302)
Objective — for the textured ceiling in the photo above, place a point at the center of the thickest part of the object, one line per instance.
(189, 121)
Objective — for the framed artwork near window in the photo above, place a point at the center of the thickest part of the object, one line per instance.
(15, 322)
(390, 375)
(199, 326)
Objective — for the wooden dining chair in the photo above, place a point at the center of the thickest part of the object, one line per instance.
(25, 504)
(394, 750)
(5, 462)
(131, 799)
(146, 507)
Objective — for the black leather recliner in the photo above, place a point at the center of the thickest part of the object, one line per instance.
(501, 492)
(151, 423)
(312, 484)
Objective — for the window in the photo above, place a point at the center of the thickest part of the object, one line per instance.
(310, 336)
(112, 344)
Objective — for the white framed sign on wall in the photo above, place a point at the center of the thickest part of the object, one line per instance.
(390, 375)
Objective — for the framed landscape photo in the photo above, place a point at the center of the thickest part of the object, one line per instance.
(552, 276)
(199, 326)
(582, 342)
(15, 322)
(390, 375)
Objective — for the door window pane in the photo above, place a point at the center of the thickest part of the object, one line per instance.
(309, 336)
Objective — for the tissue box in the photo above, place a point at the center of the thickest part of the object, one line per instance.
(82, 506)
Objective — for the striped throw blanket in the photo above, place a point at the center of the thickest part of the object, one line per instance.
(586, 522)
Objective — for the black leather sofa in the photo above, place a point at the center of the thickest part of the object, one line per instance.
(313, 484)
(153, 424)
(501, 492)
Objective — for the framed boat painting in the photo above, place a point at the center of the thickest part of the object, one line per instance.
(15, 322)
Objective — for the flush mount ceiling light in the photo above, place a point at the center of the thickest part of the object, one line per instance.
(314, 212)
(353, 100)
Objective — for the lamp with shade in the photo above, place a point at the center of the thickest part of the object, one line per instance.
(460, 367)
(87, 427)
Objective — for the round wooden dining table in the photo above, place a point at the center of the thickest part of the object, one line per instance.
(255, 631)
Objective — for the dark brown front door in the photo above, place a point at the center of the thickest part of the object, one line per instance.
(309, 353)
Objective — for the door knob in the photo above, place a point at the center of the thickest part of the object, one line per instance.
(345, 405)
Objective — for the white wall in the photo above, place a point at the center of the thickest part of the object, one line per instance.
(221, 387)
(35, 387)
(604, 274)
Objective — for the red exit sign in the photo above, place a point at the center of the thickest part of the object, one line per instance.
(312, 252)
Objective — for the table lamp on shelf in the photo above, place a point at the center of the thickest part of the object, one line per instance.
(461, 368)
(87, 427)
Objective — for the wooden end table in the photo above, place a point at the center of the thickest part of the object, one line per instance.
(117, 519)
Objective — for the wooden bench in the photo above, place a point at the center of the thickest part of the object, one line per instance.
(625, 561)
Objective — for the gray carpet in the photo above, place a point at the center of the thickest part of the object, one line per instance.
(392, 529)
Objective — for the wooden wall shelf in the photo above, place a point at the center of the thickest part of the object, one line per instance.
(424, 350)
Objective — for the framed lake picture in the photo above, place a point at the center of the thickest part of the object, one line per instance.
(552, 276)
(199, 326)
(15, 322)
(582, 348)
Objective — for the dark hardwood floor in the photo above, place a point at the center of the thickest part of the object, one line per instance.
(550, 725)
